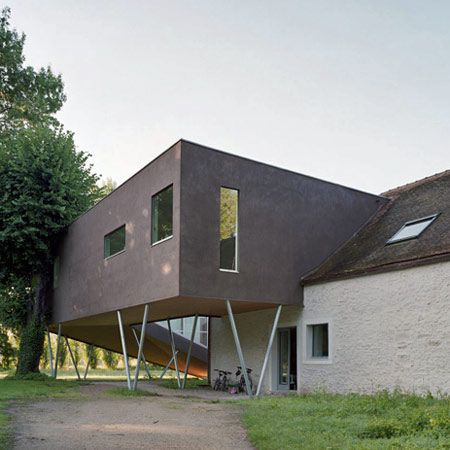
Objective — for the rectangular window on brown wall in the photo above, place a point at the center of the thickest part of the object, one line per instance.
(162, 215)
(229, 208)
(114, 242)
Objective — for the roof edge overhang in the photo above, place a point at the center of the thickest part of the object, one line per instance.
(384, 268)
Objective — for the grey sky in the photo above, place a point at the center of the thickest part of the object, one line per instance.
(356, 92)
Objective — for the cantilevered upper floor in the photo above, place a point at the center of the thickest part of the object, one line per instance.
(196, 227)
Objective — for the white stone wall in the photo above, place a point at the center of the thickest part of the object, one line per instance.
(254, 331)
(387, 330)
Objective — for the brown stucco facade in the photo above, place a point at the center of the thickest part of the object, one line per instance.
(288, 224)
(90, 285)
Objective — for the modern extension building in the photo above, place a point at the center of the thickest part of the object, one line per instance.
(309, 283)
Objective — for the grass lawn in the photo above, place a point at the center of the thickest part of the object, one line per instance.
(324, 421)
(11, 389)
(103, 374)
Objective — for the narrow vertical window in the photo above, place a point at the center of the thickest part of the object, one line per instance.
(162, 215)
(114, 242)
(229, 199)
(203, 331)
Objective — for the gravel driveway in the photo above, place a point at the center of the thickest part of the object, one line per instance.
(98, 421)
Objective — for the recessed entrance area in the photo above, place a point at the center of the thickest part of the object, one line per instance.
(287, 358)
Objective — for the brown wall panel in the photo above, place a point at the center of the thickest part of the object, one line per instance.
(88, 283)
(288, 224)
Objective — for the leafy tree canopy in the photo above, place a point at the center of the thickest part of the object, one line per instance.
(27, 96)
(45, 183)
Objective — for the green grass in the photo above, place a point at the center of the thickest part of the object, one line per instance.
(324, 421)
(125, 392)
(191, 383)
(4, 427)
(29, 389)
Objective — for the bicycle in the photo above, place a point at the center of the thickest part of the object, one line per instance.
(221, 383)
(241, 380)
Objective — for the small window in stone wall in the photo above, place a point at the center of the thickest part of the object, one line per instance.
(318, 340)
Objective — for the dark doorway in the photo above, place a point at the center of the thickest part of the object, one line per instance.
(287, 358)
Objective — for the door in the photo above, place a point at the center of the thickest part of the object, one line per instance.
(287, 358)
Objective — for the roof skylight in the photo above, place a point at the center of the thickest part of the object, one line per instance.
(412, 230)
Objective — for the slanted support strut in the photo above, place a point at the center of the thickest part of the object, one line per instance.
(143, 357)
(124, 348)
(55, 369)
(188, 357)
(239, 349)
(174, 353)
(72, 358)
(50, 352)
(167, 366)
(269, 348)
(88, 363)
(141, 347)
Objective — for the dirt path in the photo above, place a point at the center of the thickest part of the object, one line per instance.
(98, 421)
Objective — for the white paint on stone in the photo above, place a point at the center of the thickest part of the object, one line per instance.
(387, 330)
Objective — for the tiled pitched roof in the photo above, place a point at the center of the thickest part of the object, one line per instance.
(367, 251)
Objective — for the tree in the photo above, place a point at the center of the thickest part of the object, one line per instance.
(45, 357)
(228, 207)
(62, 354)
(108, 186)
(76, 350)
(7, 351)
(26, 96)
(92, 355)
(45, 183)
(111, 359)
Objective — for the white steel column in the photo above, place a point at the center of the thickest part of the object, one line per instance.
(124, 348)
(269, 348)
(174, 353)
(55, 370)
(167, 366)
(141, 347)
(239, 349)
(143, 357)
(188, 357)
(88, 363)
(50, 352)
(72, 358)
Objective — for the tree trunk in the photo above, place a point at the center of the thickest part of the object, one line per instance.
(33, 334)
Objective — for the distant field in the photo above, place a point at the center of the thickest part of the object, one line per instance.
(101, 374)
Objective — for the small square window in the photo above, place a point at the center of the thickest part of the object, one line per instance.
(162, 215)
(114, 242)
(318, 340)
